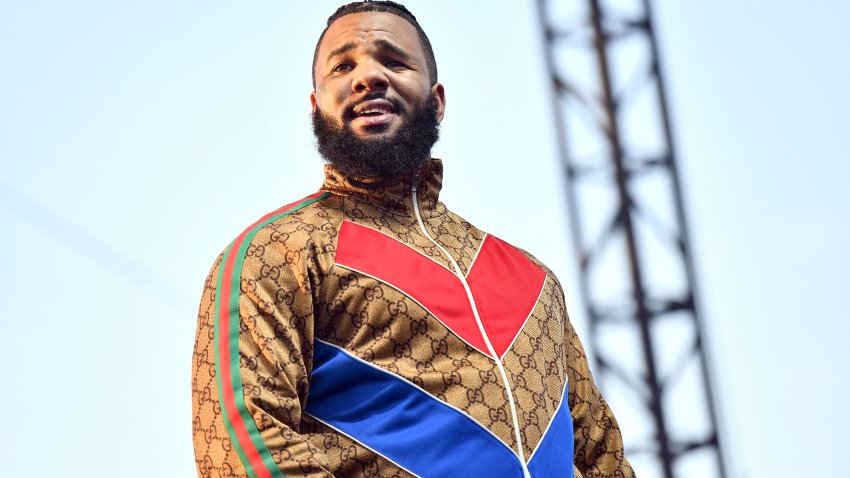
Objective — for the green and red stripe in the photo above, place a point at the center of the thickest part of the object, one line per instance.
(243, 432)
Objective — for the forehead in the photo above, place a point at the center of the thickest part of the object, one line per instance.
(363, 29)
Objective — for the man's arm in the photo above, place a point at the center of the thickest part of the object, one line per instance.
(253, 355)
(598, 445)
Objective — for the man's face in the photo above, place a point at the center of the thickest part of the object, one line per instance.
(372, 75)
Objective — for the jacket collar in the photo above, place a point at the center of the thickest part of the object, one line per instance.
(393, 195)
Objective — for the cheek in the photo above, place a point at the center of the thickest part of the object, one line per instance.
(331, 95)
(414, 91)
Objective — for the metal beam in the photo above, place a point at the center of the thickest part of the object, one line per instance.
(628, 223)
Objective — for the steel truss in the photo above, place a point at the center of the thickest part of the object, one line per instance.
(636, 272)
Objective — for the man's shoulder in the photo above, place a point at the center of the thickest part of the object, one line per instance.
(468, 227)
(537, 262)
(297, 225)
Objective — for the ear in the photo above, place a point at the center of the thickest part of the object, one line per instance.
(439, 93)
(313, 101)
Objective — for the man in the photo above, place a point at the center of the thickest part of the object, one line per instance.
(368, 331)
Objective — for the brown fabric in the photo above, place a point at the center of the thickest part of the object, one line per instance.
(292, 293)
(347, 457)
(214, 453)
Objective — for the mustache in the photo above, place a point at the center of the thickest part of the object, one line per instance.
(349, 113)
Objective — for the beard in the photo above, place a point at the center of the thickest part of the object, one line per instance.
(390, 158)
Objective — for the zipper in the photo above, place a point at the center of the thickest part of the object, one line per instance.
(514, 416)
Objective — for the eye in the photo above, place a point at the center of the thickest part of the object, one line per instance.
(342, 68)
(395, 65)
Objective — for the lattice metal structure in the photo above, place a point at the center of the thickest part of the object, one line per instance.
(628, 224)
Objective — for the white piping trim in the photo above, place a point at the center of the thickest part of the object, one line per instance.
(314, 417)
(469, 269)
(480, 324)
(417, 387)
(403, 244)
(530, 313)
(552, 420)
(419, 304)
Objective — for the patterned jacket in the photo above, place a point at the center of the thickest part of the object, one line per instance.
(368, 331)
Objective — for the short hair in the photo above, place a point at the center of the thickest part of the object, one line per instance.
(385, 7)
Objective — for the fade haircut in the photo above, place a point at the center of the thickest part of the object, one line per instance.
(384, 7)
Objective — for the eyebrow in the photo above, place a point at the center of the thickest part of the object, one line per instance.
(339, 51)
(383, 44)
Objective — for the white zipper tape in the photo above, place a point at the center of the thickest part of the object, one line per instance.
(490, 348)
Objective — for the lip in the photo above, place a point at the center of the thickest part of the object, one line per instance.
(374, 104)
(374, 120)
(389, 113)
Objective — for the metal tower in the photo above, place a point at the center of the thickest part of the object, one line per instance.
(636, 273)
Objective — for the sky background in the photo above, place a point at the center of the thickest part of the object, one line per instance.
(138, 139)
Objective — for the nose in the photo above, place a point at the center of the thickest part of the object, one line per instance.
(369, 76)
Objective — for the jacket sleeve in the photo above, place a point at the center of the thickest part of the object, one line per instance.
(251, 367)
(598, 447)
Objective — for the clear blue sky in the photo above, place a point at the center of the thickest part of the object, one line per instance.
(137, 139)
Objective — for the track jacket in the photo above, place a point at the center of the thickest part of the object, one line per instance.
(368, 331)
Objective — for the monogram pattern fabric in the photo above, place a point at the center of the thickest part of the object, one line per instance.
(537, 361)
(214, 453)
(347, 457)
(292, 292)
(383, 326)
